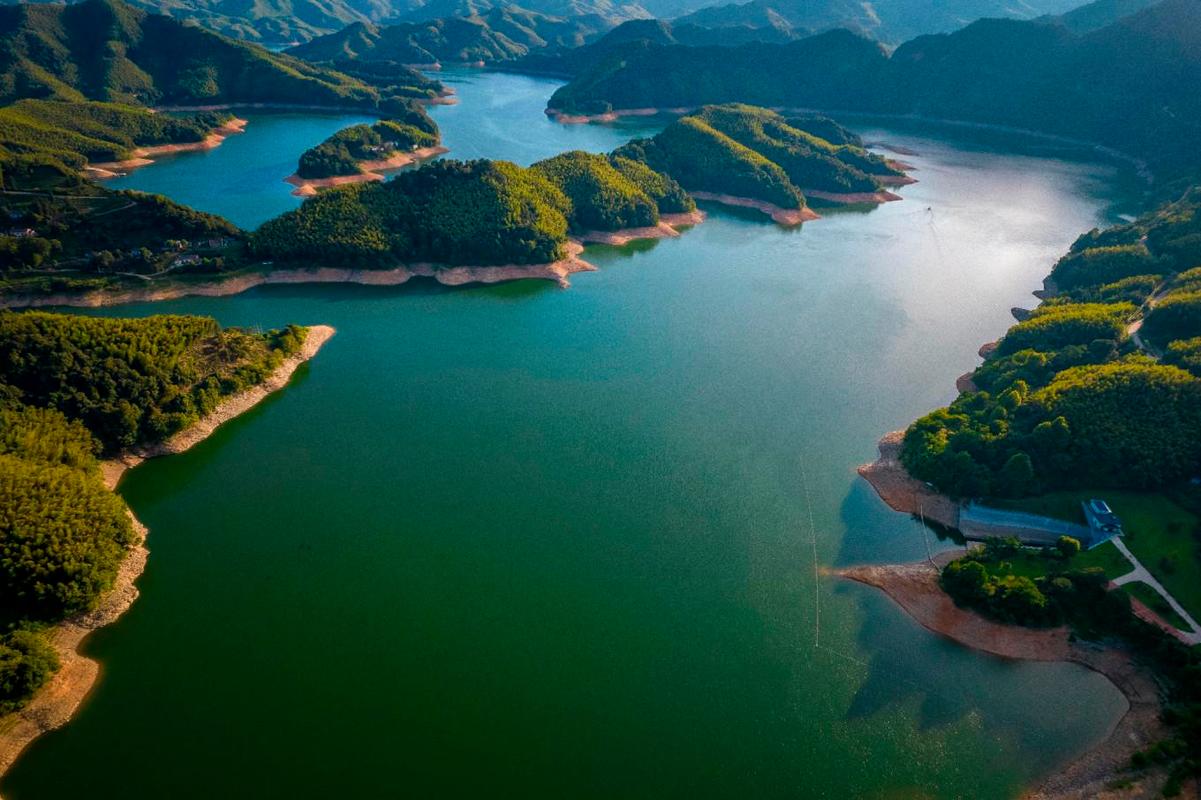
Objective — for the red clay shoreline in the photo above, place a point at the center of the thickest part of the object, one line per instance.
(372, 170)
(1093, 774)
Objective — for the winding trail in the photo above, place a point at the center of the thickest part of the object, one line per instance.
(1141, 574)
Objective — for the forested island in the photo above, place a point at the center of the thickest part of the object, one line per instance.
(361, 152)
(523, 216)
(75, 390)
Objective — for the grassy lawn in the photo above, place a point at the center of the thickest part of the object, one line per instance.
(1153, 601)
(1033, 564)
(1158, 531)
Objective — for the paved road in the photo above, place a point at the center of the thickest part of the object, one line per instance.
(1140, 575)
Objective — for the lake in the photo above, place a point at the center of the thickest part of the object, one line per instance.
(526, 541)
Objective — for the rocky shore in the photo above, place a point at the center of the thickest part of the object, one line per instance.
(903, 492)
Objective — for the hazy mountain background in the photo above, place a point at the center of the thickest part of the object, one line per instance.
(888, 21)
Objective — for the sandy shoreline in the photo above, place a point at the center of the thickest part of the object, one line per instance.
(371, 171)
(915, 588)
(58, 701)
(142, 156)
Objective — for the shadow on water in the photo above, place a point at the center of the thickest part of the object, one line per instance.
(714, 209)
(946, 683)
(627, 250)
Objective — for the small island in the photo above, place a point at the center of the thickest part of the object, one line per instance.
(362, 152)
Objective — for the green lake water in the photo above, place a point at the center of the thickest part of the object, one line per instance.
(525, 541)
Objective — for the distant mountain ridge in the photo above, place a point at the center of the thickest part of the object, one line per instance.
(499, 34)
(283, 22)
(888, 21)
(107, 50)
(1130, 84)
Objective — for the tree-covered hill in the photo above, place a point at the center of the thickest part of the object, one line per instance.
(1068, 399)
(757, 154)
(71, 388)
(291, 21)
(601, 197)
(810, 161)
(888, 21)
(499, 34)
(341, 153)
(132, 382)
(1122, 85)
(108, 50)
(448, 212)
(75, 133)
(704, 159)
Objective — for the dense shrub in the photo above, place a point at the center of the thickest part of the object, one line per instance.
(601, 197)
(62, 536)
(447, 212)
(1177, 316)
(1056, 326)
(132, 381)
(27, 661)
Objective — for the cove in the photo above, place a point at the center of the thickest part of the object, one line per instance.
(517, 540)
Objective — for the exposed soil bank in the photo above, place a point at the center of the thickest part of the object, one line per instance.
(58, 701)
(666, 229)
(371, 171)
(915, 588)
(612, 116)
(903, 492)
(852, 198)
(237, 283)
(145, 155)
(782, 216)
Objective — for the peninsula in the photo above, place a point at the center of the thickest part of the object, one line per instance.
(1095, 393)
(50, 460)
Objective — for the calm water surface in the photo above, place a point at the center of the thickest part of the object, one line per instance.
(521, 541)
